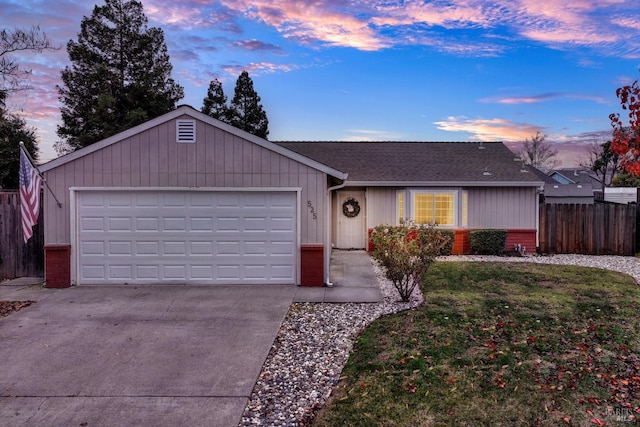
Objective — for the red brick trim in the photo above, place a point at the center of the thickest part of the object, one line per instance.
(523, 237)
(57, 266)
(312, 265)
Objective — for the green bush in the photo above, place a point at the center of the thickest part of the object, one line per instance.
(449, 236)
(487, 242)
(406, 252)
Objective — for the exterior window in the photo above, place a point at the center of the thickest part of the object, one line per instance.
(436, 208)
(401, 214)
(465, 201)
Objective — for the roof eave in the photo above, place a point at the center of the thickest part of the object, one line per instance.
(443, 183)
(190, 111)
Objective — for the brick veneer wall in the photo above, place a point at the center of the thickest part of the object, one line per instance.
(312, 265)
(57, 266)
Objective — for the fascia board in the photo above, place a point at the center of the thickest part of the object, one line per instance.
(443, 184)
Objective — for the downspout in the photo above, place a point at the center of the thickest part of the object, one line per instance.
(327, 237)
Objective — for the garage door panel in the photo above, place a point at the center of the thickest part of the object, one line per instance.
(146, 237)
(120, 248)
(89, 271)
(148, 272)
(201, 248)
(120, 272)
(147, 224)
(92, 224)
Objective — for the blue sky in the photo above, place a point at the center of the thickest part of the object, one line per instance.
(450, 70)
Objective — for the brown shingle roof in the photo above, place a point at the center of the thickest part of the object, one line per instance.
(418, 162)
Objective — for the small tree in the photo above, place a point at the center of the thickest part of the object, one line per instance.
(626, 137)
(603, 162)
(245, 111)
(538, 153)
(14, 129)
(406, 252)
(215, 104)
(625, 179)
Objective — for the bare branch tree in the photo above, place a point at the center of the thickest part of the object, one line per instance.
(603, 162)
(538, 153)
(14, 77)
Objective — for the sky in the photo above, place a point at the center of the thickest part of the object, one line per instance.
(391, 70)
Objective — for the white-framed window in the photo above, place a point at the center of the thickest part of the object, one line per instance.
(439, 207)
(465, 207)
(401, 205)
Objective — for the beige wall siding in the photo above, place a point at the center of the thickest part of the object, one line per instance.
(381, 206)
(502, 207)
(153, 159)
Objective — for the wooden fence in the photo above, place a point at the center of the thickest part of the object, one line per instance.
(18, 259)
(597, 229)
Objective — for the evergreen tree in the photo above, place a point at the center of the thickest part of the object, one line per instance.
(215, 104)
(14, 129)
(245, 111)
(120, 76)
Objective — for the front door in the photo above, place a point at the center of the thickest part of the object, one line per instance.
(351, 220)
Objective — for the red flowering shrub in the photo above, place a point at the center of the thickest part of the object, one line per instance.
(406, 252)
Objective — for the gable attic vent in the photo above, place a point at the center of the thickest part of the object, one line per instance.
(186, 131)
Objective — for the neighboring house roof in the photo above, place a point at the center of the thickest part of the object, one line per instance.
(543, 176)
(568, 190)
(575, 176)
(420, 163)
(190, 111)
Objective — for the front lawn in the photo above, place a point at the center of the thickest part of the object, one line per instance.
(499, 344)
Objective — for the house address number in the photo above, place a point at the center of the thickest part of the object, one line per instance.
(312, 209)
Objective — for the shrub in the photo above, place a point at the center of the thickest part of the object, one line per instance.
(449, 236)
(487, 242)
(406, 252)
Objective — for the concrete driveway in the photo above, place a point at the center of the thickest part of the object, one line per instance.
(145, 355)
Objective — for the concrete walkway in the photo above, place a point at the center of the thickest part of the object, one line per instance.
(353, 278)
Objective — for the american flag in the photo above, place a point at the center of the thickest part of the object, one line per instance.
(29, 195)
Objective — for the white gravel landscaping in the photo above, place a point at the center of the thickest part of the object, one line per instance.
(315, 340)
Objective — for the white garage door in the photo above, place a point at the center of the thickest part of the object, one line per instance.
(176, 237)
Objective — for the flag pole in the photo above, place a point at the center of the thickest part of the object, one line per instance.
(23, 148)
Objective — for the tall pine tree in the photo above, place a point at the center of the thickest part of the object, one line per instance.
(215, 104)
(120, 76)
(245, 111)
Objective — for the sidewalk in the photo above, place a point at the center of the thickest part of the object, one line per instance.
(353, 277)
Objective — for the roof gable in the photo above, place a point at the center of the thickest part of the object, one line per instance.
(181, 112)
(420, 163)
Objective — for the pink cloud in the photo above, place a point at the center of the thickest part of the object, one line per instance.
(258, 68)
(310, 21)
(256, 45)
(489, 129)
(533, 99)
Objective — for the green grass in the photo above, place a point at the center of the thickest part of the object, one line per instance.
(499, 344)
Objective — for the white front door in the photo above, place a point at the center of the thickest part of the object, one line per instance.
(351, 220)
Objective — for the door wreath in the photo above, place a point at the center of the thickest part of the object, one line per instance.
(351, 208)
